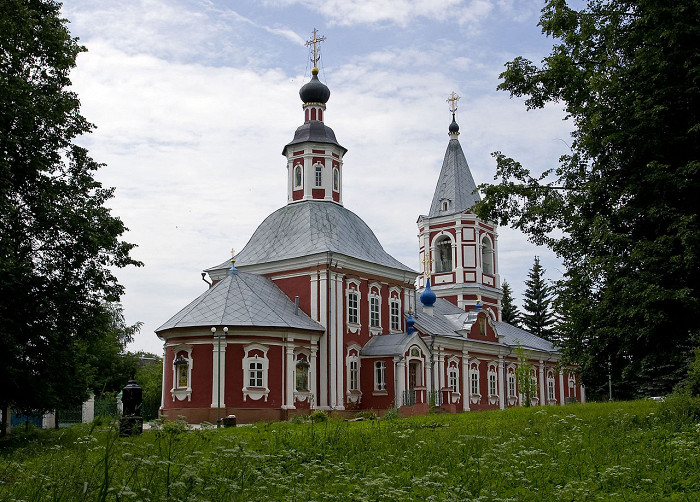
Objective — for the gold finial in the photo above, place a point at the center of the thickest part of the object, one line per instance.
(233, 254)
(428, 264)
(314, 59)
(452, 100)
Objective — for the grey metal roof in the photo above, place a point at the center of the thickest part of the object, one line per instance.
(514, 335)
(310, 227)
(389, 345)
(316, 131)
(439, 323)
(242, 299)
(448, 319)
(455, 183)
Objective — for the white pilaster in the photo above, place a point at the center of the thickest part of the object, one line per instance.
(441, 370)
(542, 385)
(400, 368)
(322, 318)
(312, 375)
(290, 383)
(583, 393)
(561, 387)
(339, 337)
(219, 370)
(501, 387)
(466, 384)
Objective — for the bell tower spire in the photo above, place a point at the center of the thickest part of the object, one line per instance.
(314, 156)
(458, 252)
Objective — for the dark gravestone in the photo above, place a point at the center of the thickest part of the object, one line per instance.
(131, 421)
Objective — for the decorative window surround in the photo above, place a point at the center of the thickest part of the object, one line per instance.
(453, 379)
(487, 255)
(374, 300)
(572, 386)
(395, 310)
(298, 176)
(352, 363)
(180, 392)
(261, 366)
(512, 386)
(493, 383)
(336, 180)
(475, 395)
(551, 393)
(352, 301)
(302, 375)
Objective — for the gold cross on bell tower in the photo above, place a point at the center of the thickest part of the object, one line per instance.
(315, 41)
(452, 100)
(427, 264)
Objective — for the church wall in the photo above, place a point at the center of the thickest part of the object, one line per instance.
(371, 398)
(201, 376)
(297, 286)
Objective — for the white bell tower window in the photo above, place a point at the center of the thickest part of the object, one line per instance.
(443, 254)
(336, 180)
(487, 255)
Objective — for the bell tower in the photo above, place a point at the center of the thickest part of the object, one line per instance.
(460, 249)
(314, 156)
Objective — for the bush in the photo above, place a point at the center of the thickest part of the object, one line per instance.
(391, 414)
(319, 416)
(368, 414)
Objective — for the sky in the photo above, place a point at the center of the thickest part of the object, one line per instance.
(193, 101)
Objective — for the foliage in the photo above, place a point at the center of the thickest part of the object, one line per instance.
(509, 310)
(523, 376)
(611, 451)
(58, 241)
(621, 208)
(319, 416)
(538, 317)
(149, 376)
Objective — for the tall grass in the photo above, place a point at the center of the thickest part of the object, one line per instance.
(615, 451)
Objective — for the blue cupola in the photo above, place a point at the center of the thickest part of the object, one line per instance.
(427, 297)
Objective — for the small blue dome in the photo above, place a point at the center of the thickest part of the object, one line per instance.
(427, 297)
(315, 91)
(409, 324)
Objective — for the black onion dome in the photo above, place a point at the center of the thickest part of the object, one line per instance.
(315, 91)
(454, 127)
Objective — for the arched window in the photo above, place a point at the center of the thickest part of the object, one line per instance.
(443, 253)
(319, 175)
(297, 176)
(302, 375)
(336, 180)
(487, 255)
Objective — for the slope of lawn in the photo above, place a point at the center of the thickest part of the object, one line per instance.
(628, 451)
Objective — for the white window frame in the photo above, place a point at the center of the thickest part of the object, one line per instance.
(336, 179)
(493, 381)
(177, 392)
(380, 376)
(453, 378)
(374, 301)
(474, 382)
(395, 314)
(352, 365)
(551, 387)
(352, 288)
(255, 392)
(318, 175)
(300, 183)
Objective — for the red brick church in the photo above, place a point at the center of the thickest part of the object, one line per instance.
(314, 314)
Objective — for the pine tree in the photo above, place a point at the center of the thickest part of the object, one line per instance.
(538, 318)
(509, 311)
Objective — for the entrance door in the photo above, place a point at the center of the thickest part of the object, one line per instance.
(413, 374)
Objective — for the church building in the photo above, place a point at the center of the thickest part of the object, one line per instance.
(313, 313)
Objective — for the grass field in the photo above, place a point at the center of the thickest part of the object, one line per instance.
(629, 451)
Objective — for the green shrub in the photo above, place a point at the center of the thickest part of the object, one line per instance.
(391, 414)
(319, 416)
(368, 414)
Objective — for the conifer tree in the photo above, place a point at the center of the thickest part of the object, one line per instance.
(538, 318)
(509, 310)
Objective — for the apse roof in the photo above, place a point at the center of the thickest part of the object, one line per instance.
(242, 299)
(311, 227)
(455, 183)
(514, 335)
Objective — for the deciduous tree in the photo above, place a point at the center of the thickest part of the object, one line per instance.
(58, 241)
(621, 208)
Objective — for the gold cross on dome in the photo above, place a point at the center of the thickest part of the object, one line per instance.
(233, 253)
(428, 264)
(452, 100)
(315, 41)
